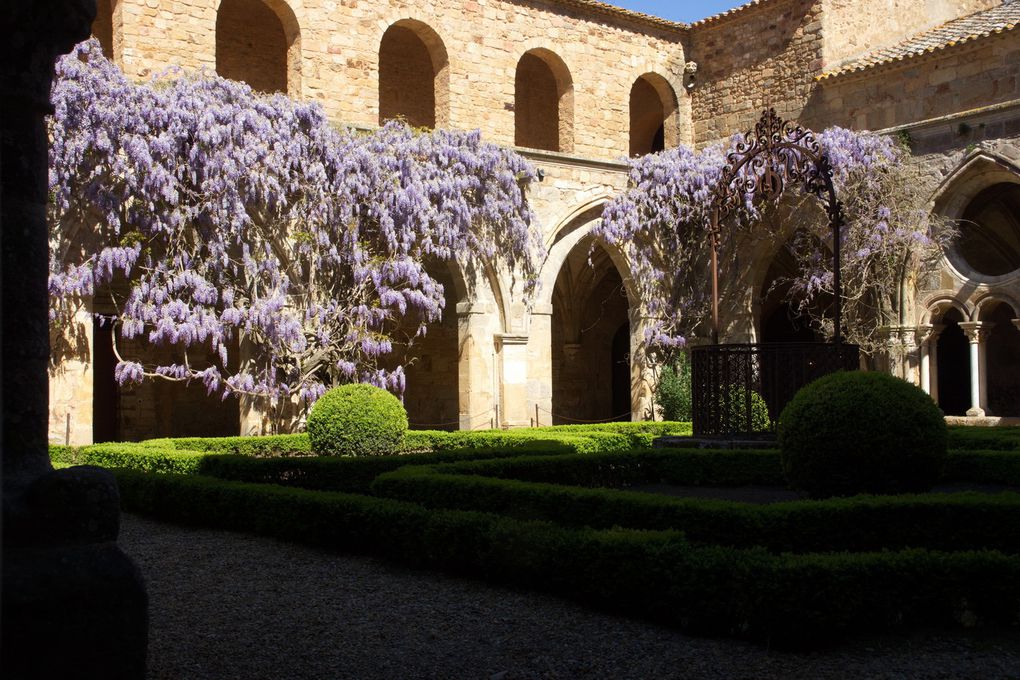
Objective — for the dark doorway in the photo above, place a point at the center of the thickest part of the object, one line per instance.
(621, 373)
(953, 365)
(105, 394)
(1002, 362)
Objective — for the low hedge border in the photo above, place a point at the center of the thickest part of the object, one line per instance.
(587, 440)
(790, 600)
(959, 521)
(984, 438)
(328, 473)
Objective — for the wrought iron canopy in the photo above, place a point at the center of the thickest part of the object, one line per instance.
(772, 156)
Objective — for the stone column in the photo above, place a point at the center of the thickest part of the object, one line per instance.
(540, 365)
(925, 335)
(513, 352)
(476, 402)
(73, 604)
(977, 334)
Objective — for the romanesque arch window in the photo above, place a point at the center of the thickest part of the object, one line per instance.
(258, 42)
(653, 111)
(413, 76)
(543, 103)
(102, 26)
(989, 240)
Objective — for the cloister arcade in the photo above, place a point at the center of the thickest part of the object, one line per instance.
(572, 352)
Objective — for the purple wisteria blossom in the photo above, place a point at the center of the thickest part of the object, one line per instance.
(890, 238)
(213, 218)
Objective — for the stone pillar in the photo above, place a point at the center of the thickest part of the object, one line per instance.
(513, 353)
(73, 604)
(977, 333)
(540, 365)
(926, 335)
(476, 403)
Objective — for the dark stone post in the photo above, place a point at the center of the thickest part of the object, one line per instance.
(74, 605)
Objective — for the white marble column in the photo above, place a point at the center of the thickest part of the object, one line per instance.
(977, 334)
(925, 334)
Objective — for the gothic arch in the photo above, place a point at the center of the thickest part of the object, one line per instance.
(543, 102)
(962, 196)
(259, 42)
(414, 75)
(654, 111)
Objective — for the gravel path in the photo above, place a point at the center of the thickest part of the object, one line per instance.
(226, 605)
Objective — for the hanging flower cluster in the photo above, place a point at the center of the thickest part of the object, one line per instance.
(662, 224)
(210, 215)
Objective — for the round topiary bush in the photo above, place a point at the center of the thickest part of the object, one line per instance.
(357, 420)
(862, 432)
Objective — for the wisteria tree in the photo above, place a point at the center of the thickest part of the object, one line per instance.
(212, 218)
(889, 239)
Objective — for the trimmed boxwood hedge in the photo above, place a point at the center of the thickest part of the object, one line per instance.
(957, 521)
(790, 600)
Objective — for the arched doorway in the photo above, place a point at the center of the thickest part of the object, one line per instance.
(543, 102)
(779, 321)
(413, 76)
(258, 46)
(953, 365)
(590, 339)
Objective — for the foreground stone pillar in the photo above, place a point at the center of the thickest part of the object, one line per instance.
(513, 352)
(977, 334)
(73, 604)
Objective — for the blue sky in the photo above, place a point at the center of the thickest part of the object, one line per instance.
(678, 10)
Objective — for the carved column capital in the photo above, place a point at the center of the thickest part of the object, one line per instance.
(977, 331)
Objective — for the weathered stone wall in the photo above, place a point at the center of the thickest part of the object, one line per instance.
(484, 40)
(954, 80)
(760, 56)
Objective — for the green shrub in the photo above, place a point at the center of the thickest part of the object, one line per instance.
(789, 600)
(733, 411)
(520, 487)
(271, 446)
(862, 432)
(673, 391)
(357, 420)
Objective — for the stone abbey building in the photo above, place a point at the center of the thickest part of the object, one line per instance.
(576, 86)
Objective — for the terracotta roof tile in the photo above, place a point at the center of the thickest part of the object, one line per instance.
(1005, 17)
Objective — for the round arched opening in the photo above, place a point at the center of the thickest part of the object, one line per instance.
(412, 67)
(653, 108)
(1002, 360)
(252, 45)
(543, 103)
(953, 366)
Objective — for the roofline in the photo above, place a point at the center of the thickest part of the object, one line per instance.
(606, 9)
(862, 69)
